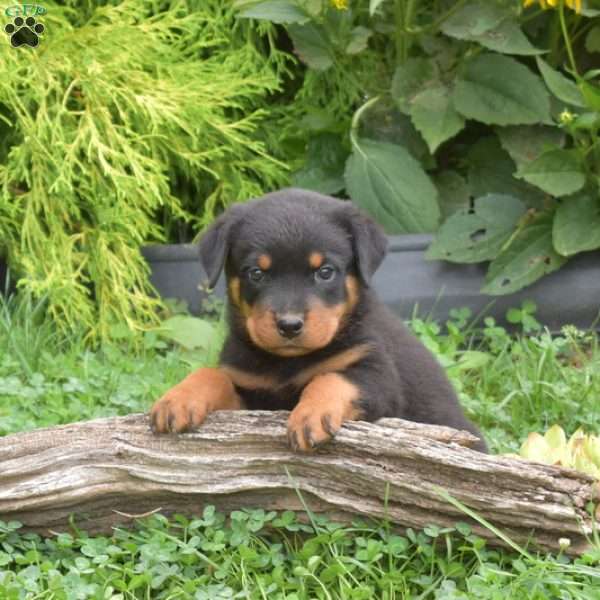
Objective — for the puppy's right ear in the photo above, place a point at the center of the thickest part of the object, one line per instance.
(215, 244)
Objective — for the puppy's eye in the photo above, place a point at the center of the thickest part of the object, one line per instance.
(255, 274)
(325, 273)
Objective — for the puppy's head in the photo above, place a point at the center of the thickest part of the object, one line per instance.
(296, 262)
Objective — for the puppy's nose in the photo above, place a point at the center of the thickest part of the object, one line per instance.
(289, 326)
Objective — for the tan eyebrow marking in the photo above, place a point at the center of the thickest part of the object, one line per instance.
(315, 260)
(265, 262)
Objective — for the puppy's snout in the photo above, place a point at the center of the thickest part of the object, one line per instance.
(290, 326)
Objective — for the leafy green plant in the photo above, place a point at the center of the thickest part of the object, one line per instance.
(49, 378)
(129, 121)
(482, 116)
(524, 316)
(256, 554)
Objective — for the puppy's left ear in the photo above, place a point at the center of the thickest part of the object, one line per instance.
(369, 242)
(215, 244)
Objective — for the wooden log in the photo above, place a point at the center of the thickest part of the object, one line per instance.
(109, 471)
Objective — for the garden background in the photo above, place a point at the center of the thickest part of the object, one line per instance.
(137, 122)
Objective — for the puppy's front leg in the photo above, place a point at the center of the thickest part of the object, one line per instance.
(325, 403)
(186, 405)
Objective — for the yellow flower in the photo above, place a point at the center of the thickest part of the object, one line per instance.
(340, 4)
(572, 4)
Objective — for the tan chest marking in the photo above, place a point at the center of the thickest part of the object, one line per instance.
(338, 362)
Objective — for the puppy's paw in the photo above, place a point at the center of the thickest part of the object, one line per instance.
(310, 426)
(326, 402)
(185, 406)
(177, 411)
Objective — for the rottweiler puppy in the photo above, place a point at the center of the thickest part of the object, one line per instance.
(307, 333)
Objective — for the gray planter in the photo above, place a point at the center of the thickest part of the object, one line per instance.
(406, 280)
(175, 271)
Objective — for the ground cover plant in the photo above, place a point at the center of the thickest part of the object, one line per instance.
(510, 385)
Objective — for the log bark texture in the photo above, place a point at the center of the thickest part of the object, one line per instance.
(109, 471)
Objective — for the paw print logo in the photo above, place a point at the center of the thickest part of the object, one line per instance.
(24, 31)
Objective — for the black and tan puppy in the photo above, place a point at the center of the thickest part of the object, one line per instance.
(307, 333)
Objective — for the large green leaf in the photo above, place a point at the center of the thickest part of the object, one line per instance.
(490, 25)
(419, 92)
(359, 38)
(410, 78)
(577, 225)
(387, 182)
(530, 256)
(475, 235)
(474, 19)
(444, 51)
(498, 90)
(312, 45)
(564, 89)
(591, 94)
(453, 192)
(557, 172)
(189, 332)
(590, 12)
(373, 6)
(387, 124)
(525, 143)
(434, 116)
(276, 11)
(491, 171)
(323, 170)
(508, 38)
(592, 40)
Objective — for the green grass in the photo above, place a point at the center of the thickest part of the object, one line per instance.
(514, 384)
(510, 385)
(47, 379)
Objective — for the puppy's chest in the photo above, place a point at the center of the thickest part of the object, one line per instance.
(284, 398)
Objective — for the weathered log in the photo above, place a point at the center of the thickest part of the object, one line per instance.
(109, 471)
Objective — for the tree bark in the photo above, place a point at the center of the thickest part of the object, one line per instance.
(110, 471)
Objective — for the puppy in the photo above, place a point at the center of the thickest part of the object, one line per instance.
(307, 333)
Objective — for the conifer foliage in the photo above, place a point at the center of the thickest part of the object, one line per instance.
(126, 118)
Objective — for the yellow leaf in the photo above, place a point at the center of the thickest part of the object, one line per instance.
(592, 448)
(555, 437)
(575, 440)
(536, 448)
(584, 464)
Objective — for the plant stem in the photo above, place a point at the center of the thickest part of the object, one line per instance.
(400, 35)
(532, 16)
(582, 30)
(356, 119)
(436, 24)
(409, 13)
(563, 25)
